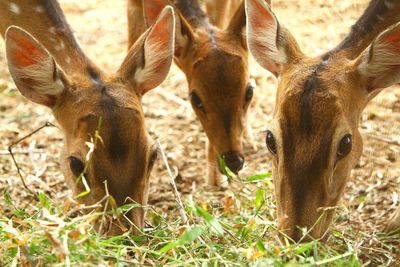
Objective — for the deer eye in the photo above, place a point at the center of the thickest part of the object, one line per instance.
(345, 146)
(76, 165)
(196, 101)
(249, 93)
(270, 141)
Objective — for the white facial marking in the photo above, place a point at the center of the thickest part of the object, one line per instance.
(14, 8)
(39, 9)
(68, 60)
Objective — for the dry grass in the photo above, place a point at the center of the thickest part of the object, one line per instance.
(371, 194)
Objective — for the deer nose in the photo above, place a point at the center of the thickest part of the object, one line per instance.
(234, 160)
(289, 231)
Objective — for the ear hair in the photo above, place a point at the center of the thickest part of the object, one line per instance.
(149, 59)
(154, 55)
(183, 30)
(34, 71)
(45, 83)
(379, 64)
(271, 45)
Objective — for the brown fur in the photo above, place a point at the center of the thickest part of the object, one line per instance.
(222, 11)
(215, 64)
(318, 102)
(85, 100)
(377, 17)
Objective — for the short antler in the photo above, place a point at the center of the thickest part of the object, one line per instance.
(379, 15)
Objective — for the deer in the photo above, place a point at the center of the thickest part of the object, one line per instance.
(313, 137)
(220, 13)
(49, 68)
(215, 63)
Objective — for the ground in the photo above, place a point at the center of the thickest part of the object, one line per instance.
(371, 194)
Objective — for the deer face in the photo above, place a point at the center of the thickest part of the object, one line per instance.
(123, 157)
(107, 104)
(314, 137)
(215, 64)
(315, 143)
(220, 94)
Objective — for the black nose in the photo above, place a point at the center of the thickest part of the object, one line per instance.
(234, 161)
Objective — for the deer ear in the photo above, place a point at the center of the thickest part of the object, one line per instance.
(379, 64)
(149, 59)
(183, 31)
(152, 8)
(33, 70)
(271, 45)
(237, 25)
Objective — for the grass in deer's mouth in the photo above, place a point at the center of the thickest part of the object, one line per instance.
(242, 231)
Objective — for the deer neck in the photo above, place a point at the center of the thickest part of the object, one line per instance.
(193, 13)
(45, 20)
(379, 15)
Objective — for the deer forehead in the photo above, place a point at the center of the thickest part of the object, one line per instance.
(208, 41)
(92, 95)
(118, 109)
(310, 107)
(220, 72)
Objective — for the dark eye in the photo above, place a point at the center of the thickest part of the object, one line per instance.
(196, 101)
(76, 165)
(345, 146)
(271, 144)
(249, 93)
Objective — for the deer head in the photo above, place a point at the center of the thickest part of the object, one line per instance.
(215, 64)
(314, 136)
(123, 157)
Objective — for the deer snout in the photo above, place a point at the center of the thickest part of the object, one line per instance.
(300, 230)
(234, 160)
(290, 230)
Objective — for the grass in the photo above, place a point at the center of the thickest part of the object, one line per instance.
(242, 232)
(239, 230)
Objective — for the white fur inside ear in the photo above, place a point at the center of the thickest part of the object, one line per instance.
(381, 63)
(42, 76)
(154, 56)
(383, 56)
(264, 40)
(262, 35)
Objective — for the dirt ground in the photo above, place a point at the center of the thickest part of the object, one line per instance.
(371, 194)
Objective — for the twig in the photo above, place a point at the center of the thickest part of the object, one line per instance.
(176, 193)
(172, 183)
(47, 124)
(23, 152)
(383, 139)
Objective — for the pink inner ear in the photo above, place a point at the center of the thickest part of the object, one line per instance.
(152, 9)
(160, 32)
(394, 39)
(260, 17)
(25, 51)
